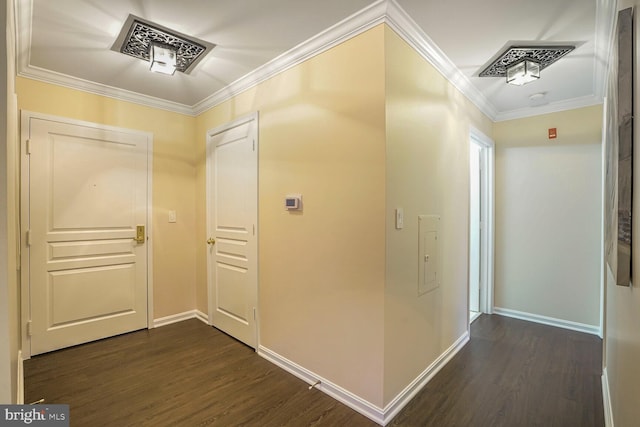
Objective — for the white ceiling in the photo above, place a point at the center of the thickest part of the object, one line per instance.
(69, 42)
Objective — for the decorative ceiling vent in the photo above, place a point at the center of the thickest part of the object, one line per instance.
(541, 55)
(138, 36)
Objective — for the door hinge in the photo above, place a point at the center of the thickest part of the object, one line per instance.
(254, 229)
(254, 313)
(28, 146)
(28, 237)
(29, 332)
(254, 145)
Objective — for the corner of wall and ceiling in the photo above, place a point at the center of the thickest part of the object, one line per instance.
(382, 11)
(24, 10)
(606, 12)
(400, 21)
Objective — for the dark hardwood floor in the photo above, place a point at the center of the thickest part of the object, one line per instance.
(512, 373)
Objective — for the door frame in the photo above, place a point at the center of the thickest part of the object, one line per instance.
(210, 206)
(487, 178)
(25, 292)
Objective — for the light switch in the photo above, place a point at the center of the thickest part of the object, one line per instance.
(399, 218)
(172, 216)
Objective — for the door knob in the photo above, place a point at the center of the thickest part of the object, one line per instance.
(211, 241)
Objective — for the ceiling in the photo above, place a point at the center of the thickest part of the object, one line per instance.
(69, 42)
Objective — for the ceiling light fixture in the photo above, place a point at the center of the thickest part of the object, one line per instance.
(522, 64)
(163, 59)
(167, 50)
(523, 72)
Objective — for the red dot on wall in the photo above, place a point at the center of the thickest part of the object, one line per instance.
(553, 133)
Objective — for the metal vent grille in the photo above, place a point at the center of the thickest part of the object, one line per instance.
(137, 35)
(543, 55)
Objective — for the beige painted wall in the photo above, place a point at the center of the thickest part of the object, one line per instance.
(575, 127)
(174, 176)
(321, 273)
(548, 205)
(427, 173)
(622, 331)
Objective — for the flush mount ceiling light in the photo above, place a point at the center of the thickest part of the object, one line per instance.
(167, 50)
(522, 64)
(163, 59)
(523, 72)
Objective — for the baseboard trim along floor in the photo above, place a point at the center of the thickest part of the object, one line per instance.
(175, 318)
(405, 396)
(550, 321)
(20, 379)
(606, 400)
(356, 403)
(369, 410)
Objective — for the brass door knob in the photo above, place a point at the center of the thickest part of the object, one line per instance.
(211, 241)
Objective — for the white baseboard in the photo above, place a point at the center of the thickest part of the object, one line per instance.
(368, 409)
(175, 318)
(203, 317)
(356, 403)
(405, 396)
(606, 400)
(473, 315)
(20, 380)
(551, 321)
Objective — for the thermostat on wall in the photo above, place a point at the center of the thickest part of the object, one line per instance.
(293, 202)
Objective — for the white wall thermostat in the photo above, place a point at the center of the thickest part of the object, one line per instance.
(293, 202)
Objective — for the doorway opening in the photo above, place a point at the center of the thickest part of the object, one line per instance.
(481, 155)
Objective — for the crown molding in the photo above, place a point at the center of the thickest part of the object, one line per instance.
(555, 107)
(24, 10)
(382, 11)
(346, 29)
(400, 21)
(104, 90)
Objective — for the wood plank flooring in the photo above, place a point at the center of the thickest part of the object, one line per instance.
(512, 373)
(515, 373)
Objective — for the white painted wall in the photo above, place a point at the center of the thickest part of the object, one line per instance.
(547, 232)
(548, 215)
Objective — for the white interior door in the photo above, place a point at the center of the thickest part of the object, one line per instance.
(86, 196)
(232, 190)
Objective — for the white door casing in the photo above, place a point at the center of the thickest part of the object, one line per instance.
(486, 238)
(475, 228)
(86, 188)
(232, 220)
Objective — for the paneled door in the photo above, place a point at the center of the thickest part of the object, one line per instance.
(85, 226)
(232, 214)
